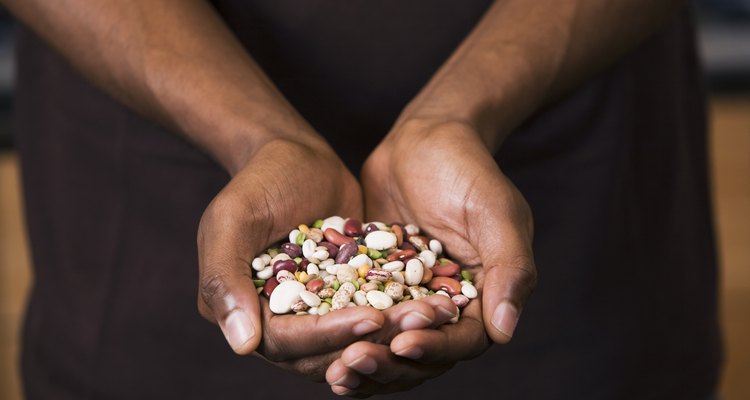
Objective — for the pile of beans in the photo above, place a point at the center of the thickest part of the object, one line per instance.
(338, 263)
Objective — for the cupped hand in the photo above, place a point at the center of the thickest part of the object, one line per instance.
(440, 176)
(285, 182)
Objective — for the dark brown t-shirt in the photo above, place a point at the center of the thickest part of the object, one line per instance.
(615, 174)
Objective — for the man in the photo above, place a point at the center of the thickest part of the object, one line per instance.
(604, 105)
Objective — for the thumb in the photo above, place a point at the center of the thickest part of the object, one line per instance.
(226, 293)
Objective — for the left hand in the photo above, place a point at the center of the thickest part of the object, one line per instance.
(441, 177)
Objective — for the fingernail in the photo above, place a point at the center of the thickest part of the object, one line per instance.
(238, 329)
(413, 352)
(364, 364)
(415, 320)
(364, 327)
(351, 382)
(445, 313)
(505, 318)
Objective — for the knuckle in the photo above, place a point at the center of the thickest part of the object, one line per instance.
(212, 288)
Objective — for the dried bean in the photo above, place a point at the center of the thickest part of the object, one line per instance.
(395, 291)
(269, 287)
(288, 265)
(414, 272)
(420, 242)
(401, 255)
(336, 237)
(346, 252)
(291, 249)
(460, 300)
(336, 223)
(380, 240)
(315, 285)
(444, 283)
(343, 296)
(352, 227)
(446, 270)
(378, 275)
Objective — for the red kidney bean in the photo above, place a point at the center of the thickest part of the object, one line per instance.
(401, 255)
(333, 250)
(346, 252)
(407, 246)
(446, 270)
(270, 286)
(291, 249)
(444, 283)
(353, 227)
(314, 285)
(336, 238)
(370, 228)
(288, 265)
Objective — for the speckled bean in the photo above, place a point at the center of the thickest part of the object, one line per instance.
(300, 306)
(444, 283)
(378, 275)
(460, 300)
(326, 292)
(420, 242)
(343, 296)
(416, 293)
(395, 291)
(366, 287)
(346, 273)
(284, 275)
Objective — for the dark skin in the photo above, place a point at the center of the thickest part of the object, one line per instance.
(520, 57)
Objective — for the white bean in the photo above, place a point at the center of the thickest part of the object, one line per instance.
(394, 266)
(258, 264)
(414, 272)
(380, 240)
(308, 248)
(265, 273)
(379, 300)
(469, 291)
(334, 222)
(436, 247)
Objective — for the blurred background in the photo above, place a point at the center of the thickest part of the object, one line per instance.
(725, 45)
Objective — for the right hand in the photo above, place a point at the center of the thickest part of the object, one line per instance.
(285, 182)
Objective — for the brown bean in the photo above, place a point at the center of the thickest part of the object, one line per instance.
(336, 238)
(446, 270)
(401, 255)
(270, 285)
(451, 286)
(314, 285)
(396, 229)
(346, 252)
(353, 227)
(291, 249)
(426, 277)
(288, 265)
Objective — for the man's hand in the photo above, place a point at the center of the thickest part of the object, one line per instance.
(441, 177)
(287, 182)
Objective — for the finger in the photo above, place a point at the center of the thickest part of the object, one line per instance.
(443, 307)
(228, 297)
(408, 315)
(296, 336)
(448, 344)
(370, 368)
(509, 275)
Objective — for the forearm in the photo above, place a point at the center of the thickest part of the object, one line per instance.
(174, 61)
(524, 54)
